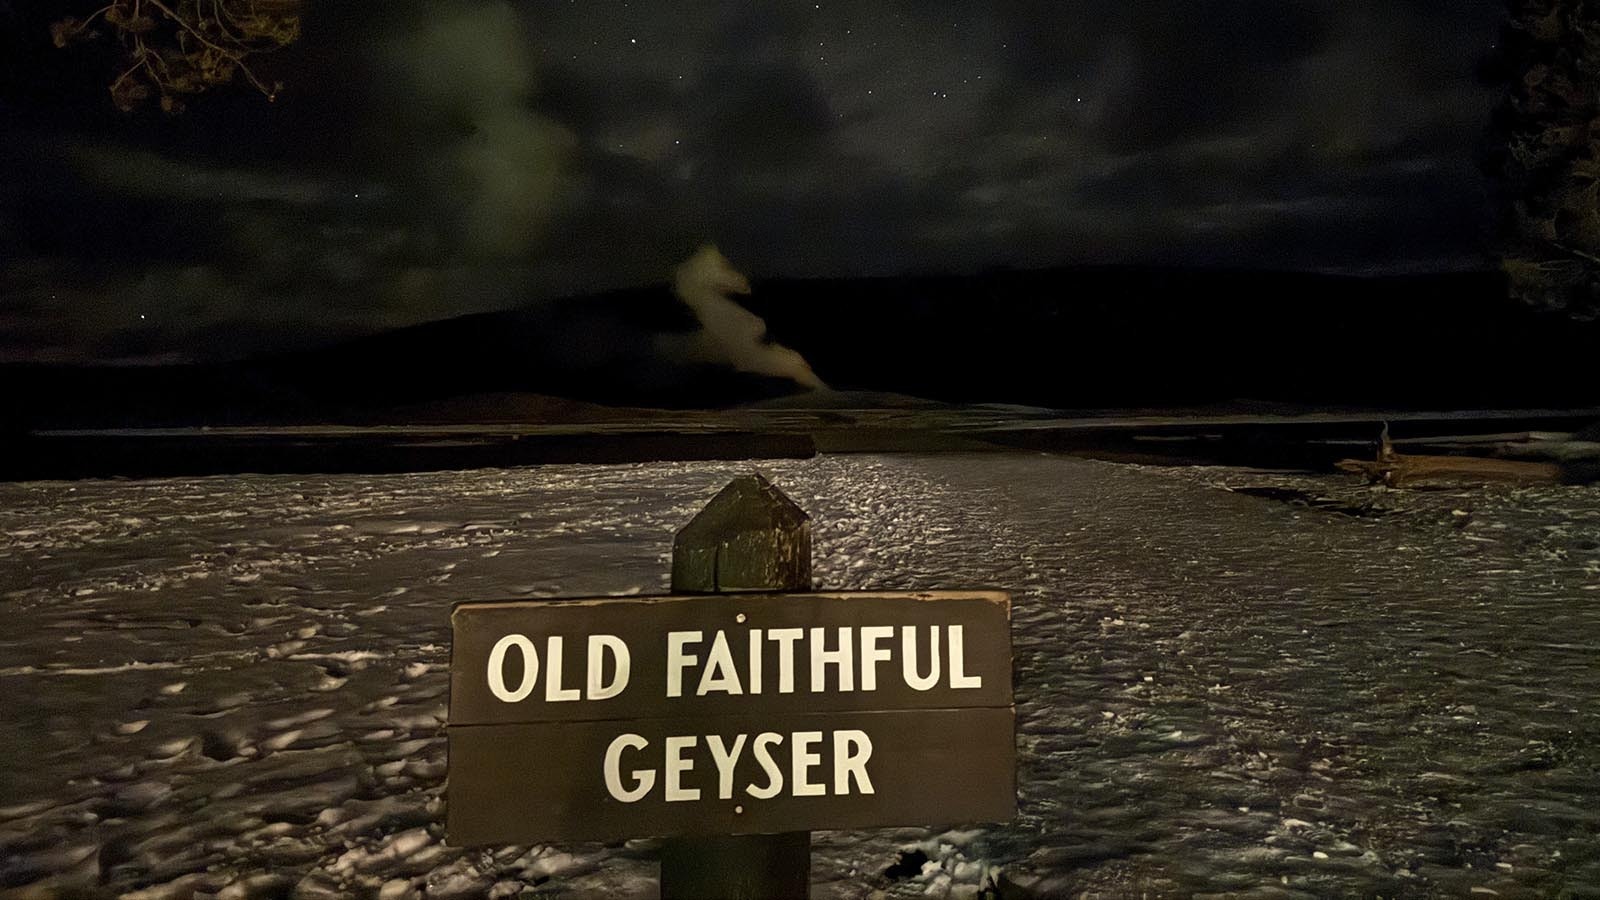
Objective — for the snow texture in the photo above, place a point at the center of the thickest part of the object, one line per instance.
(236, 687)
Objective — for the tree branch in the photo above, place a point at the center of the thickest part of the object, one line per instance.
(237, 54)
(182, 47)
(1574, 251)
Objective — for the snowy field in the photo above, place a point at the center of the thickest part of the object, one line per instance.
(236, 686)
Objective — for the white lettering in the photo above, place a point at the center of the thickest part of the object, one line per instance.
(677, 660)
(908, 657)
(872, 654)
(726, 760)
(819, 763)
(839, 659)
(786, 638)
(755, 661)
(598, 645)
(676, 766)
(851, 750)
(763, 741)
(644, 779)
(720, 675)
(959, 678)
(553, 691)
(497, 663)
(801, 762)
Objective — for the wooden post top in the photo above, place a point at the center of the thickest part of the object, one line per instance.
(749, 537)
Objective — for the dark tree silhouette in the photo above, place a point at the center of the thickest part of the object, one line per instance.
(176, 48)
(1550, 159)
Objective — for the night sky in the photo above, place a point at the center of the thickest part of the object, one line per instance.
(434, 159)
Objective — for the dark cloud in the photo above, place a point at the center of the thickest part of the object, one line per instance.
(762, 116)
(435, 158)
(1154, 72)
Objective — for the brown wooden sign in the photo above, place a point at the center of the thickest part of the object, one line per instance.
(619, 717)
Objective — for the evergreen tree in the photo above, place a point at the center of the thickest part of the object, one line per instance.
(1549, 160)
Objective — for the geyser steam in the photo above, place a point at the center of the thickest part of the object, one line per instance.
(465, 77)
(730, 333)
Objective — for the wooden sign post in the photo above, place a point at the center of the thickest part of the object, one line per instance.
(732, 724)
(749, 537)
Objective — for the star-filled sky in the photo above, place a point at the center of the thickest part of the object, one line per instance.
(430, 159)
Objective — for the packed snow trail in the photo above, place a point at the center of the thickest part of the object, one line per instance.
(238, 685)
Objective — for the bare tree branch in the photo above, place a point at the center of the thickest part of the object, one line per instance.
(183, 47)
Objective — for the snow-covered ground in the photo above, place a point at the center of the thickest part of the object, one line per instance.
(236, 686)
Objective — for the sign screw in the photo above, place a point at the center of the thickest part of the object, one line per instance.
(739, 618)
(739, 810)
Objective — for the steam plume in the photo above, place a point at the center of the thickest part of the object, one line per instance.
(470, 68)
(730, 333)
